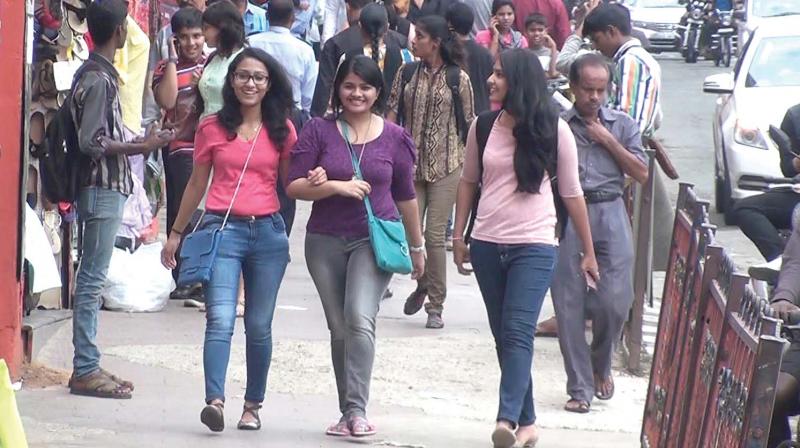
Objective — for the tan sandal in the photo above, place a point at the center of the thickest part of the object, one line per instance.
(250, 426)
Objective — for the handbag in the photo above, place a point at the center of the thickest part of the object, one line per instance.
(388, 237)
(199, 248)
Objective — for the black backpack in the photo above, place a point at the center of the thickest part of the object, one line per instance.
(483, 127)
(453, 77)
(60, 157)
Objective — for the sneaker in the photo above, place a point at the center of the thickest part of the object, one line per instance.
(415, 301)
(193, 303)
(435, 321)
(182, 293)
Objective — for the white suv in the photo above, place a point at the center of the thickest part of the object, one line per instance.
(763, 85)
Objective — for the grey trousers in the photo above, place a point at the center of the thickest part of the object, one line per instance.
(350, 286)
(607, 307)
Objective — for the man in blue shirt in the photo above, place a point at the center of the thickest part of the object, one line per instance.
(255, 18)
(303, 17)
(296, 56)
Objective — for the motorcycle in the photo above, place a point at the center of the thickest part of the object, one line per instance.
(696, 18)
(722, 42)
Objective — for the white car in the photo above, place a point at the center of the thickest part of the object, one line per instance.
(763, 85)
(755, 11)
(658, 20)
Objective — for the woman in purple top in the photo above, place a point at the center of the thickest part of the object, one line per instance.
(339, 255)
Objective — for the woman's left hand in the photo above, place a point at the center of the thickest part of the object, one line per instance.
(418, 261)
(589, 267)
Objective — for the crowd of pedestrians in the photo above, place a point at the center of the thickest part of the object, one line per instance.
(434, 117)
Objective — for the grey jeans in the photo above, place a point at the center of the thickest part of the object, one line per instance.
(350, 286)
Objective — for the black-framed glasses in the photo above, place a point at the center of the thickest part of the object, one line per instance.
(259, 78)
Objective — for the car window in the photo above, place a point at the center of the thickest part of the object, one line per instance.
(776, 63)
(774, 8)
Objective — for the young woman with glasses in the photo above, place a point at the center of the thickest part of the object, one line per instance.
(247, 146)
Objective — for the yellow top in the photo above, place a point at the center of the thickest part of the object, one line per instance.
(131, 63)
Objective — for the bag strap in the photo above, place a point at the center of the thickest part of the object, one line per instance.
(483, 127)
(356, 166)
(406, 74)
(453, 78)
(238, 183)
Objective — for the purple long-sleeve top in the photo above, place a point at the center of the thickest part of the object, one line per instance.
(387, 164)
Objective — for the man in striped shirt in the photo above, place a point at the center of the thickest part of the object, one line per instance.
(636, 74)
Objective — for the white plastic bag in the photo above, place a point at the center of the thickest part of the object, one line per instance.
(137, 282)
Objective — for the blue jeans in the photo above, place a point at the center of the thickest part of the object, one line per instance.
(513, 280)
(258, 250)
(100, 214)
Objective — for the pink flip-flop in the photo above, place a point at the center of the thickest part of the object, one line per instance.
(360, 427)
(339, 429)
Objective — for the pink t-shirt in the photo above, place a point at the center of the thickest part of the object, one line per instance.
(505, 215)
(257, 194)
(484, 39)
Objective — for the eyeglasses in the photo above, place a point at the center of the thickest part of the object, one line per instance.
(259, 79)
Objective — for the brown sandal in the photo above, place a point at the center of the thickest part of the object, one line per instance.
(213, 416)
(577, 406)
(97, 384)
(600, 384)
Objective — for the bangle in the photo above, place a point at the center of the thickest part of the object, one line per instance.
(177, 231)
(172, 61)
(417, 249)
(457, 238)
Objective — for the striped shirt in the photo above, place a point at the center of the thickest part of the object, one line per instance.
(182, 118)
(637, 86)
(97, 115)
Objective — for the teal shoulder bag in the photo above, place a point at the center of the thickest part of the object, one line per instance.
(388, 237)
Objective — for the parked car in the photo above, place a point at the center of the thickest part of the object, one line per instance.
(658, 21)
(763, 85)
(755, 11)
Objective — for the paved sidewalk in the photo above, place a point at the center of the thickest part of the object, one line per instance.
(430, 388)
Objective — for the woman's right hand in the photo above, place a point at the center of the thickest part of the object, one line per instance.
(169, 250)
(357, 189)
(461, 256)
(493, 27)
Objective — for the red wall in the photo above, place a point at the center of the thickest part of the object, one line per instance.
(12, 38)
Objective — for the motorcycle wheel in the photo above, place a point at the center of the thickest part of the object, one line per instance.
(726, 52)
(691, 50)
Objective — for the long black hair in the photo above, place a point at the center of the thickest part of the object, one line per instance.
(536, 129)
(276, 107)
(374, 23)
(366, 69)
(224, 16)
(450, 48)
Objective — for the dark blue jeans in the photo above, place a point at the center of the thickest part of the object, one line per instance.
(514, 280)
(258, 250)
